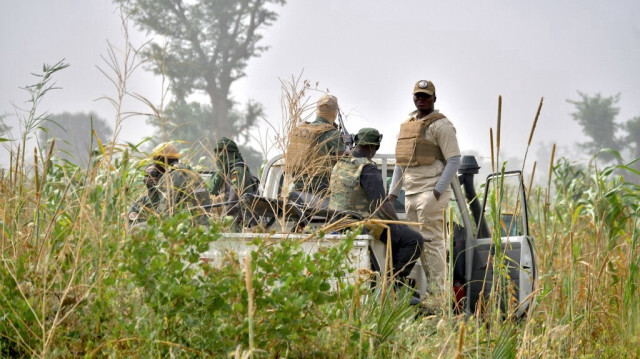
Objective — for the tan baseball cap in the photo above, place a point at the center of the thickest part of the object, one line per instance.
(424, 86)
(327, 107)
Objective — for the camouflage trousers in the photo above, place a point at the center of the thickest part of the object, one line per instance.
(425, 209)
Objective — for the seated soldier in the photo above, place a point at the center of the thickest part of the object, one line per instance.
(356, 185)
(314, 147)
(145, 206)
(181, 188)
(232, 178)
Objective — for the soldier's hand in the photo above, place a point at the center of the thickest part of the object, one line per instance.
(392, 198)
(436, 194)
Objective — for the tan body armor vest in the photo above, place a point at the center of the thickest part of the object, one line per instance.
(304, 154)
(412, 149)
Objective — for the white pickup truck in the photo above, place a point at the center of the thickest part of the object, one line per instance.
(471, 243)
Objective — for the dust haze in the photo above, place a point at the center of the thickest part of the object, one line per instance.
(368, 54)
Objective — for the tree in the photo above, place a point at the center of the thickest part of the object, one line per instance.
(633, 136)
(72, 131)
(196, 126)
(209, 44)
(596, 114)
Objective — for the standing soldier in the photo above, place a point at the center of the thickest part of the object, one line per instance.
(314, 147)
(232, 178)
(181, 188)
(427, 158)
(356, 185)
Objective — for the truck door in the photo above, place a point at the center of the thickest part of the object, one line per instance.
(502, 270)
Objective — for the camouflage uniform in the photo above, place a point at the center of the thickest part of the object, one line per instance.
(232, 178)
(356, 185)
(146, 205)
(346, 192)
(180, 187)
(143, 207)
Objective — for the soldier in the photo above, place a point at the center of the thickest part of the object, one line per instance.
(314, 147)
(356, 185)
(232, 178)
(146, 204)
(427, 158)
(181, 188)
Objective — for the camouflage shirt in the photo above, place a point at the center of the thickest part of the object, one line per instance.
(143, 207)
(183, 189)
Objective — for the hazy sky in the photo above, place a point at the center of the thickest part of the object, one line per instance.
(369, 54)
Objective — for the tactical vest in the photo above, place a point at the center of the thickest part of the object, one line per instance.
(346, 192)
(304, 156)
(412, 149)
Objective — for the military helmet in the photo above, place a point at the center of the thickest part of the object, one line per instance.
(166, 150)
(226, 144)
(368, 136)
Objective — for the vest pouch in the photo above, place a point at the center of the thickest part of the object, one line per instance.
(405, 148)
(427, 152)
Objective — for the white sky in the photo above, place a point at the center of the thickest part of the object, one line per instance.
(369, 54)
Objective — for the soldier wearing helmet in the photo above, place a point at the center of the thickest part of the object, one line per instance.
(356, 185)
(232, 178)
(314, 147)
(427, 158)
(181, 188)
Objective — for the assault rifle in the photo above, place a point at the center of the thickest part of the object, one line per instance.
(348, 138)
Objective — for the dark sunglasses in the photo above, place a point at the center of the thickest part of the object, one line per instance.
(153, 173)
(422, 95)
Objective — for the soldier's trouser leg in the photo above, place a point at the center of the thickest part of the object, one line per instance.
(424, 208)
(406, 245)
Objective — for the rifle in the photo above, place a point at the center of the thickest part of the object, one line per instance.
(348, 138)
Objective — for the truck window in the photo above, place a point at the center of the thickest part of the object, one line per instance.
(504, 207)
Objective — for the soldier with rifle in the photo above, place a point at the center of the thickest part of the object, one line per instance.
(182, 189)
(232, 177)
(314, 147)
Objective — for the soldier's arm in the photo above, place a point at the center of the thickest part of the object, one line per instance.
(445, 135)
(371, 182)
(396, 184)
(333, 143)
(216, 183)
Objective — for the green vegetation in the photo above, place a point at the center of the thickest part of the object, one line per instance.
(76, 283)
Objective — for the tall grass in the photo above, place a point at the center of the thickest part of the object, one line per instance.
(75, 283)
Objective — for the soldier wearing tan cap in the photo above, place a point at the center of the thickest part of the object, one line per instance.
(181, 188)
(427, 158)
(313, 149)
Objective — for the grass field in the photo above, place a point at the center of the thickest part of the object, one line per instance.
(75, 283)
